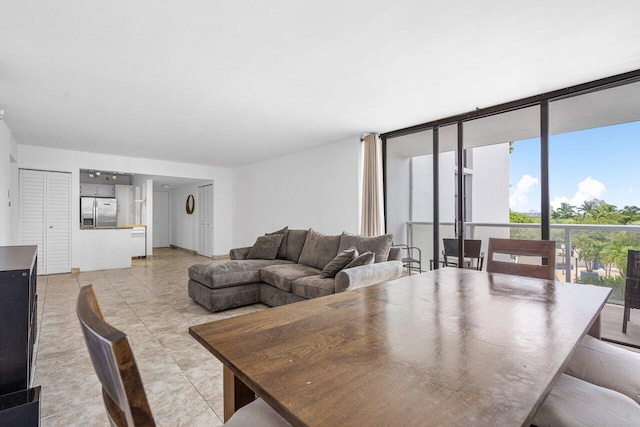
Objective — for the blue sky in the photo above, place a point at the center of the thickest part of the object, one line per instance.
(602, 163)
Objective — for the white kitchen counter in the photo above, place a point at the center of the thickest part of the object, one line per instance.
(103, 249)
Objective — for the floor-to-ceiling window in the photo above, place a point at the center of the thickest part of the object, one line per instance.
(505, 189)
(593, 178)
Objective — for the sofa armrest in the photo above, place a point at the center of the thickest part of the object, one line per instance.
(239, 253)
(359, 277)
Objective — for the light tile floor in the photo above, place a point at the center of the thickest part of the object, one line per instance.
(149, 302)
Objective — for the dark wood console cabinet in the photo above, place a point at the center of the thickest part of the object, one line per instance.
(18, 316)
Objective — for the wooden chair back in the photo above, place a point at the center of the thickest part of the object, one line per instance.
(545, 249)
(112, 358)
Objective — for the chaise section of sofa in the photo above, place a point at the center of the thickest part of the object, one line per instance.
(303, 268)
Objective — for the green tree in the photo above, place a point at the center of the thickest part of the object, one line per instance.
(586, 209)
(565, 211)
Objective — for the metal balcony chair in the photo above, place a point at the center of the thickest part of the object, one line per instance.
(473, 255)
(410, 261)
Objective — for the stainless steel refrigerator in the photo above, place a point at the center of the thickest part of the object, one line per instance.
(98, 212)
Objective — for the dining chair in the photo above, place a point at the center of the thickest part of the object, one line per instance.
(122, 390)
(472, 250)
(572, 401)
(543, 249)
(606, 365)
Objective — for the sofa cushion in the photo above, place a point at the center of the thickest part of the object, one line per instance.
(362, 259)
(282, 276)
(339, 262)
(313, 286)
(221, 274)
(379, 245)
(319, 249)
(295, 242)
(266, 247)
(282, 252)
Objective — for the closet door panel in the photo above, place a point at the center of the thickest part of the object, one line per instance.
(58, 203)
(32, 212)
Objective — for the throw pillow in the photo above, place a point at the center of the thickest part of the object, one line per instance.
(319, 249)
(339, 262)
(379, 245)
(266, 247)
(364, 259)
(282, 252)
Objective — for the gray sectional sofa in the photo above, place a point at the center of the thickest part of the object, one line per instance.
(293, 265)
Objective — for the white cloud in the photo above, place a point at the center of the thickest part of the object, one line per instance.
(557, 201)
(519, 197)
(588, 189)
(630, 190)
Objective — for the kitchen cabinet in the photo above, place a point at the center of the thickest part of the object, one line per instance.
(18, 317)
(139, 241)
(97, 190)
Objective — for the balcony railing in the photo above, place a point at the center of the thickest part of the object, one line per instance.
(420, 234)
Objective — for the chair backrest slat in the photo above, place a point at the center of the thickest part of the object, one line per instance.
(545, 249)
(115, 366)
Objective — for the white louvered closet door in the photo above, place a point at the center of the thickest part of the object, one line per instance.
(32, 212)
(45, 218)
(57, 223)
(204, 211)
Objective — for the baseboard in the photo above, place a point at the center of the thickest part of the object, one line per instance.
(75, 270)
(191, 251)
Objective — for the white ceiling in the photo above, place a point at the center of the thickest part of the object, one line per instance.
(232, 82)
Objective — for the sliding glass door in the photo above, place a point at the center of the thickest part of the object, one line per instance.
(594, 184)
(502, 176)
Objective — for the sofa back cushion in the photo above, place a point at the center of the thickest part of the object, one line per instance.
(379, 245)
(319, 249)
(295, 242)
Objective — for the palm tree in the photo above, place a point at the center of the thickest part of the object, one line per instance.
(564, 211)
(587, 207)
(630, 214)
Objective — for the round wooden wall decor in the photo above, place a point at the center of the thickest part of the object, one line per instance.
(191, 204)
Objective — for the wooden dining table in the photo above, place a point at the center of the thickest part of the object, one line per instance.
(449, 347)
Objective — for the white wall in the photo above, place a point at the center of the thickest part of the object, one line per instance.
(72, 161)
(8, 151)
(183, 225)
(491, 183)
(316, 188)
(161, 219)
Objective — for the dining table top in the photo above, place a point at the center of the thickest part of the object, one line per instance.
(448, 347)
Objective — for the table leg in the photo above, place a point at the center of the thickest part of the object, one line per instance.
(595, 329)
(236, 393)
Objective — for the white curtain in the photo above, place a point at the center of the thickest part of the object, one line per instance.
(372, 199)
